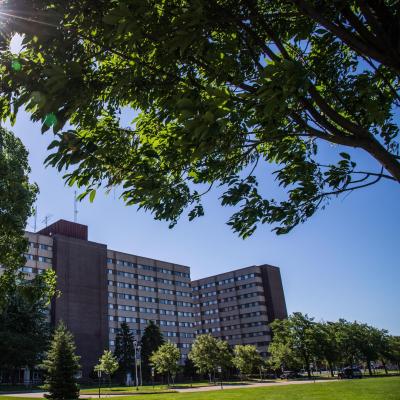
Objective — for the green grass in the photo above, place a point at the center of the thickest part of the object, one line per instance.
(364, 389)
(149, 388)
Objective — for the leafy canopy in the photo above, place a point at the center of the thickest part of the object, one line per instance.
(107, 363)
(17, 196)
(166, 358)
(208, 353)
(300, 341)
(221, 88)
(246, 359)
(24, 324)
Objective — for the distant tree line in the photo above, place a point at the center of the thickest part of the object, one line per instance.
(299, 342)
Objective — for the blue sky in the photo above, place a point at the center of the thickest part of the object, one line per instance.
(344, 262)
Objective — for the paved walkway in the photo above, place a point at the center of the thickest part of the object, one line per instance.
(252, 385)
(186, 390)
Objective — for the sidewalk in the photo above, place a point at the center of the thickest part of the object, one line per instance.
(186, 390)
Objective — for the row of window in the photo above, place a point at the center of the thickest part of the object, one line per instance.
(244, 335)
(38, 258)
(242, 316)
(40, 246)
(227, 299)
(148, 268)
(225, 281)
(144, 278)
(226, 290)
(179, 345)
(182, 324)
(148, 299)
(230, 308)
(148, 310)
(30, 270)
(137, 332)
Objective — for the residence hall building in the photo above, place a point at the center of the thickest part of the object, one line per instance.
(101, 288)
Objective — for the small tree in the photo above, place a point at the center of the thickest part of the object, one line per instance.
(61, 366)
(107, 364)
(124, 351)
(152, 339)
(209, 353)
(165, 360)
(246, 359)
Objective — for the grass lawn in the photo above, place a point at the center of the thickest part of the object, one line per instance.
(364, 389)
(149, 388)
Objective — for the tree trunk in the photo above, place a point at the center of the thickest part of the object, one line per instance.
(369, 367)
(331, 369)
(384, 366)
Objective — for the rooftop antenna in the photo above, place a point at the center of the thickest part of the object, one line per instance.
(46, 219)
(75, 207)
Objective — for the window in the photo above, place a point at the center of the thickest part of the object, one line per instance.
(44, 259)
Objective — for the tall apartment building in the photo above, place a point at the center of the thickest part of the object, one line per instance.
(238, 305)
(101, 288)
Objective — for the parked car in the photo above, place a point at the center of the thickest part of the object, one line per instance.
(350, 373)
(289, 375)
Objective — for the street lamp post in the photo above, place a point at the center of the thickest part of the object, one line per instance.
(140, 364)
(99, 376)
(138, 349)
(135, 345)
(220, 375)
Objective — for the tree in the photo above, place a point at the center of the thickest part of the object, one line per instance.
(246, 359)
(24, 326)
(369, 341)
(17, 196)
(328, 346)
(296, 341)
(209, 353)
(221, 88)
(152, 339)
(165, 360)
(61, 366)
(108, 364)
(394, 350)
(124, 350)
(281, 349)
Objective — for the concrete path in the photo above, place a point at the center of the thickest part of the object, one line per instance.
(186, 390)
(251, 385)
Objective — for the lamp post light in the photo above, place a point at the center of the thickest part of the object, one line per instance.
(220, 375)
(99, 376)
(140, 364)
(135, 345)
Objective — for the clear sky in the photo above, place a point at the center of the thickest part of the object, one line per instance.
(344, 262)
